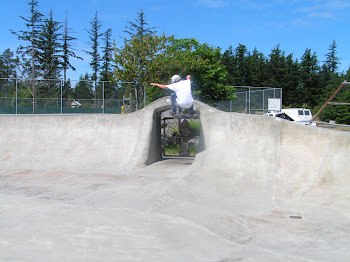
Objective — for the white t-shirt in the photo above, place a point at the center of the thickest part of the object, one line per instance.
(183, 93)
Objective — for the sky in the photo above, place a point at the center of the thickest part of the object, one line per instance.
(294, 25)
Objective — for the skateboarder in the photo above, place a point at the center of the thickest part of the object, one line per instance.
(183, 94)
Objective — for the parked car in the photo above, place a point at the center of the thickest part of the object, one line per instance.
(299, 115)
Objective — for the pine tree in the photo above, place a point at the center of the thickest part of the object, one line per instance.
(94, 35)
(107, 51)
(136, 55)
(332, 61)
(229, 63)
(309, 69)
(290, 82)
(256, 68)
(241, 64)
(67, 50)
(83, 89)
(139, 28)
(50, 50)
(8, 66)
(30, 52)
(106, 69)
(276, 67)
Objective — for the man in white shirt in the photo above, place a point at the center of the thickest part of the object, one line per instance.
(183, 93)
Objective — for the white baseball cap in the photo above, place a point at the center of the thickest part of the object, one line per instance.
(175, 78)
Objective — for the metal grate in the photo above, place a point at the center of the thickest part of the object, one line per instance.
(180, 136)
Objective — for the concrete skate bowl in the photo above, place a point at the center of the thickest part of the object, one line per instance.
(92, 187)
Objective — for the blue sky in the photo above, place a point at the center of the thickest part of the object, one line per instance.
(293, 24)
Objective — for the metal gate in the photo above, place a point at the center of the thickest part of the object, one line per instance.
(180, 136)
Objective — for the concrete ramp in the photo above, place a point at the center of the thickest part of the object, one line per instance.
(280, 157)
(95, 188)
(82, 143)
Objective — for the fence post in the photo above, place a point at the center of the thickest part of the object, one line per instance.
(281, 99)
(61, 98)
(249, 101)
(103, 97)
(16, 98)
(263, 101)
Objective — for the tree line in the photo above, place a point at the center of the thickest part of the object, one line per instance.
(145, 56)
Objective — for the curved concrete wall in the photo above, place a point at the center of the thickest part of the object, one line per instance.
(82, 143)
(275, 155)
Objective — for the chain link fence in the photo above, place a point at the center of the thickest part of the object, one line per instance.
(26, 96)
(251, 100)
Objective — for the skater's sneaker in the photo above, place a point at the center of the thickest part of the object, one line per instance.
(172, 113)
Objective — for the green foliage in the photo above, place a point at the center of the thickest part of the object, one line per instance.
(202, 61)
(29, 52)
(107, 51)
(8, 64)
(135, 60)
(84, 88)
(67, 50)
(94, 35)
(50, 48)
(332, 61)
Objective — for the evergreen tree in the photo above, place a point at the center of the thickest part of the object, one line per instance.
(107, 51)
(291, 82)
(241, 62)
(332, 61)
(256, 68)
(276, 67)
(83, 89)
(136, 56)
(8, 64)
(50, 49)
(139, 28)
(68, 50)
(106, 69)
(94, 35)
(30, 52)
(228, 61)
(309, 69)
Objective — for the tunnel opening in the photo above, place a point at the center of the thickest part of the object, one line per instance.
(180, 135)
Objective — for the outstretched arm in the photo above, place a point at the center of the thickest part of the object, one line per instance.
(159, 85)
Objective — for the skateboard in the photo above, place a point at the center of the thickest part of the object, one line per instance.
(181, 116)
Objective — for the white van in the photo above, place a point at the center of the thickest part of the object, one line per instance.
(299, 115)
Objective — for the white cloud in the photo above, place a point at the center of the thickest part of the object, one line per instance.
(322, 9)
(213, 3)
(325, 15)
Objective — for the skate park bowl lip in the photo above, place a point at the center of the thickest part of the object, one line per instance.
(79, 143)
(262, 188)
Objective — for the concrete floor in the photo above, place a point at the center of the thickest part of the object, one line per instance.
(158, 213)
(89, 188)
